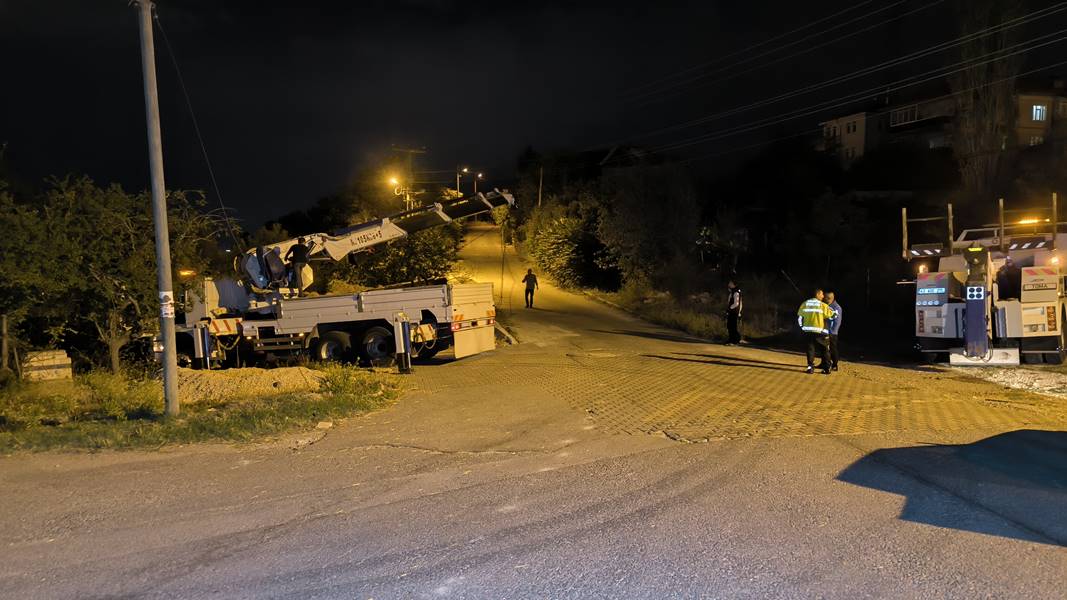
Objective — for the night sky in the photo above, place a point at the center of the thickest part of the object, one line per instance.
(294, 98)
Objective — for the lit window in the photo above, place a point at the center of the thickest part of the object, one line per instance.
(1039, 112)
(1036, 140)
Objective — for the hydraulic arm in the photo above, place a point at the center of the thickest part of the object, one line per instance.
(265, 267)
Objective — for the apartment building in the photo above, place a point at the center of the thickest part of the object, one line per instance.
(1041, 117)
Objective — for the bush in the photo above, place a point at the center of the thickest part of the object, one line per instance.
(361, 388)
(101, 410)
(120, 398)
(555, 248)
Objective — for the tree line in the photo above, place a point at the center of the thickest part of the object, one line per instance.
(78, 267)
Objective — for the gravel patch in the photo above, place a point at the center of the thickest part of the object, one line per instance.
(1048, 383)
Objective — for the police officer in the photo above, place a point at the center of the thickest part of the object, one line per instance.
(733, 313)
(813, 315)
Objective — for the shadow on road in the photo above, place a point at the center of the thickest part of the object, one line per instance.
(727, 363)
(1018, 479)
(654, 335)
(739, 359)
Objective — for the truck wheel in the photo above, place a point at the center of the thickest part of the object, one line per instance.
(378, 348)
(1057, 358)
(332, 346)
(185, 360)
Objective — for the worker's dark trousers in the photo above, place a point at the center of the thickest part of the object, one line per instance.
(529, 298)
(833, 350)
(733, 323)
(298, 276)
(818, 342)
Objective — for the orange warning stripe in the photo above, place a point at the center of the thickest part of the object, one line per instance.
(224, 326)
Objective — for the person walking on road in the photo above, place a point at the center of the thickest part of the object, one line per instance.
(834, 327)
(297, 257)
(531, 284)
(813, 316)
(733, 314)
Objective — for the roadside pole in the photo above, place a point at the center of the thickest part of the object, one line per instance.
(3, 342)
(540, 183)
(159, 210)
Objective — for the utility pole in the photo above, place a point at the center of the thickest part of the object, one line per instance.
(3, 342)
(540, 183)
(159, 210)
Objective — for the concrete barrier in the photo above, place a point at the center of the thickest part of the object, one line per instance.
(46, 365)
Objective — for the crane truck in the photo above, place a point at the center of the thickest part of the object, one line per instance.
(260, 317)
(993, 295)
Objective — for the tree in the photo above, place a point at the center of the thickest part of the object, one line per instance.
(89, 267)
(648, 217)
(984, 93)
(31, 257)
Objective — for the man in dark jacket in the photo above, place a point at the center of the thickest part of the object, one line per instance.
(531, 284)
(297, 257)
(834, 326)
(733, 313)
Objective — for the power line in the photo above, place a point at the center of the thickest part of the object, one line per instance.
(196, 128)
(675, 86)
(882, 112)
(720, 59)
(814, 109)
(1018, 21)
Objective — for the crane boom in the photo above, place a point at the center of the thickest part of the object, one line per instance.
(265, 267)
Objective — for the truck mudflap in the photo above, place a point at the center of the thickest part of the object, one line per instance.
(474, 336)
(473, 340)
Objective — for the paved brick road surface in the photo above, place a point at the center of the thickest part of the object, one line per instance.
(548, 470)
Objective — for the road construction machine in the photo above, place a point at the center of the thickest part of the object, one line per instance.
(992, 295)
(261, 317)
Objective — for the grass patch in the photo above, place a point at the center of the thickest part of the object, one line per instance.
(700, 319)
(101, 410)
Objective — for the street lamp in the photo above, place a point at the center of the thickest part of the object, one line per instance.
(402, 190)
(459, 173)
(476, 178)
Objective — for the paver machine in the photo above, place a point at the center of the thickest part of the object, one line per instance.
(994, 295)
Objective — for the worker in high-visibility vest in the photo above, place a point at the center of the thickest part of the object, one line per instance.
(813, 316)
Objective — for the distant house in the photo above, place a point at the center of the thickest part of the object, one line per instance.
(928, 122)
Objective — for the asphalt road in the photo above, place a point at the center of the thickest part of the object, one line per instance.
(602, 457)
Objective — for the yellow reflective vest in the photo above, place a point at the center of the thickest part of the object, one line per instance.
(814, 314)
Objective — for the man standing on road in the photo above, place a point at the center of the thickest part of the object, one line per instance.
(297, 257)
(531, 284)
(733, 314)
(834, 327)
(812, 316)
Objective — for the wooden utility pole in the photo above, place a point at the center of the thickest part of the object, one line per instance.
(540, 183)
(3, 342)
(159, 210)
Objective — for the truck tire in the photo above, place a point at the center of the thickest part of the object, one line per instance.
(1057, 358)
(377, 347)
(332, 346)
(185, 360)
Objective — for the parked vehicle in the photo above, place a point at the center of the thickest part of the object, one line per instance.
(993, 295)
(260, 318)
